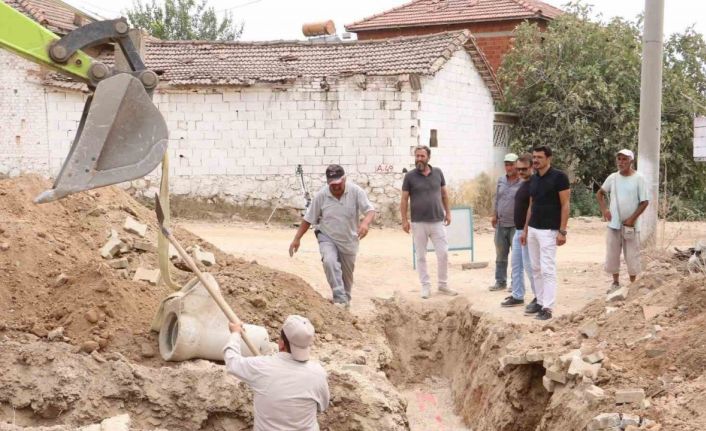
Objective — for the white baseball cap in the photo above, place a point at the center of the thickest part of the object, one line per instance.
(510, 158)
(300, 334)
(627, 153)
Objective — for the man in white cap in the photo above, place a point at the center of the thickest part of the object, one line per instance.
(503, 219)
(289, 388)
(335, 213)
(629, 196)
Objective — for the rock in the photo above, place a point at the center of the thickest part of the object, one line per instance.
(56, 334)
(567, 358)
(618, 295)
(258, 302)
(579, 368)
(116, 423)
(652, 311)
(121, 263)
(149, 275)
(629, 419)
(133, 226)
(328, 337)
(604, 421)
(534, 355)
(61, 280)
(4, 246)
(594, 357)
(513, 360)
(629, 396)
(98, 357)
(91, 315)
(89, 346)
(594, 393)
(39, 330)
(610, 310)
(146, 350)
(548, 384)
(205, 257)
(111, 248)
(473, 265)
(589, 329)
(556, 374)
(655, 352)
(144, 245)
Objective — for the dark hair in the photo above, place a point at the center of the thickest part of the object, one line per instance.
(285, 341)
(423, 147)
(525, 158)
(543, 149)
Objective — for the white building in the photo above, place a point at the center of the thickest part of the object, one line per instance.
(242, 115)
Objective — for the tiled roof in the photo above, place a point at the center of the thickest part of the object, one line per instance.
(55, 15)
(436, 12)
(245, 63)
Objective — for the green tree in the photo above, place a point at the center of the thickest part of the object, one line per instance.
(183, 20)
(576, 87)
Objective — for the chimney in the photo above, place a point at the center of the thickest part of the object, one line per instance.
(323, 28)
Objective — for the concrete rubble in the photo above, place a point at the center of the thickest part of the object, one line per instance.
(634, 396)
(133, 226)
(143, 245)
(205, 257)
(618, 295)
(589, 329)
(111, 248)
(149, 275)
(120, 263)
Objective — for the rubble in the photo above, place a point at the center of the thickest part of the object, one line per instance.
(120, 263)
(111, 248)
(594, 357)
(205, 257)
(618, 295)
(61, 280)
(149, 275)
(594, 393)
(589, 329)
(133, 226)
(635, 396)
(56, 334)
(144, 245)
(4, 246)
(604, 421)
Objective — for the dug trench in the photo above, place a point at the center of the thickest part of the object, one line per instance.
(77, 350)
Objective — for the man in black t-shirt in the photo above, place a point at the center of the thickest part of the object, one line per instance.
(546, 226)
(425, 187)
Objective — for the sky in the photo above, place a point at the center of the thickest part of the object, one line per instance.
(283, 19)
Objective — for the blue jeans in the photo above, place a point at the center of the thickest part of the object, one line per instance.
(520, 267)
(503, 241)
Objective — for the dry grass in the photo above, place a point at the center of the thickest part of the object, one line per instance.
(477, 193)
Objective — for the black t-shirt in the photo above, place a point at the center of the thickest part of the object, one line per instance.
(546, 206)
(425, 194)
(522, 198)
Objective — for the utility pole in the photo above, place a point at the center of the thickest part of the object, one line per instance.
(651, 112)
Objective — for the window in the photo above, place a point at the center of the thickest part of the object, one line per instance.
(433, 140)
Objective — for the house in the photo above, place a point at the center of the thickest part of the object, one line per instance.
(491, 22)
(243, 115)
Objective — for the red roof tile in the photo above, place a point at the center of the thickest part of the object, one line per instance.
(55, 15)
(435, 12)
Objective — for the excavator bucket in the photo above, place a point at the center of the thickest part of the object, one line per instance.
(122, 136)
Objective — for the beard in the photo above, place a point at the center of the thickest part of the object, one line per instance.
(421, 166)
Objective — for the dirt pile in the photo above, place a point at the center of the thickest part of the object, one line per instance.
(62, 301)
(638, 360)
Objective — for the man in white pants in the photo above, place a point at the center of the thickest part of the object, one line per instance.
(546, 226)
(425, 187)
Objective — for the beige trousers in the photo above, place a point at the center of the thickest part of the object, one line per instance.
(615, 243)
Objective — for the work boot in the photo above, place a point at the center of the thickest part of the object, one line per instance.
(342, 305)
(511, 301)
(545, 314)
(533, 307)
(613, 287)
(448, 292)
(426, 292)
(497, 286)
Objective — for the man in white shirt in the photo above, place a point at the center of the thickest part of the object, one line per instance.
(629, 197)
(288, 388)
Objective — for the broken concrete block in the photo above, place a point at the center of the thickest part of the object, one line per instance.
(652, 311)
(604, 421)
(629, 396)
(566, 358)
(116, 423)
(56, 334)
(579, 368)
(629, 419)
(121, 263)
(610, 310)
(133, 226)
(534, 355)
(149, 275)
(513, 360)
(205, 257)
(594, 393)
(61, 280)
(474, 265)
(589, 329)
(556, 374)
(111, 248)
(144, 245)
(594, 357)
(618, 295)
(548, 384)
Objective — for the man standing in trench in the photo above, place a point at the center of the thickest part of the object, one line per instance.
(628, 199)
(545, 229)
(425, 186)
(335, 212)
(503, 219)
(288, 388)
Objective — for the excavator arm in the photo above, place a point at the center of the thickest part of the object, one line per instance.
(122, 135)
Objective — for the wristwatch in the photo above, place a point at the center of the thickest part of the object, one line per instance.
(563, 232)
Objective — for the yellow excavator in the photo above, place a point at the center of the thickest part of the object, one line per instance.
(122, 135)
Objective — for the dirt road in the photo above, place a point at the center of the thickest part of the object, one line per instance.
(384, 264)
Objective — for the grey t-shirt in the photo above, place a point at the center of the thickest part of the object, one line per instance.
(425, 194)
(505, 201)
(338, 218)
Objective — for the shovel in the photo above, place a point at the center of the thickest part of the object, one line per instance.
(212, 290)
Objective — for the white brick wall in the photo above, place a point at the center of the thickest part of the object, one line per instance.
(457, 103)
(244, 144)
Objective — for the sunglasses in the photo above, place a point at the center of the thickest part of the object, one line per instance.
(522, 169)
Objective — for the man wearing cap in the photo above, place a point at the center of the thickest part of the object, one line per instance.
(288, 388)
(629, 197)
(503, 219)
(335, 212)
(425, 187)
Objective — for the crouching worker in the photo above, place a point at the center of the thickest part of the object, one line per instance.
(288, 388)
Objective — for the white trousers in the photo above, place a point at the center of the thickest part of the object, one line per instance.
(542, 250)
(422, 232)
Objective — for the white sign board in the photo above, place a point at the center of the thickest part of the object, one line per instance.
(459, 233)
(700, 139)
